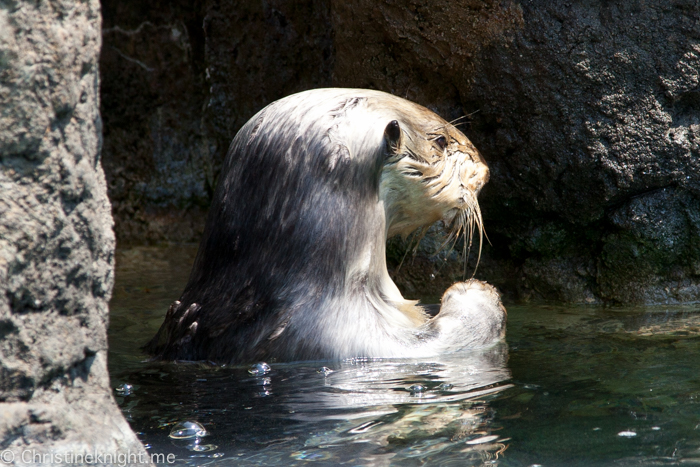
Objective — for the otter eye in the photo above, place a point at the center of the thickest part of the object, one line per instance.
(393, 132)
(441, 142)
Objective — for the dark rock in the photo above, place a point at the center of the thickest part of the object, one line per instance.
(597, 141)
(157, 156)
(179, 79)
(56, 239)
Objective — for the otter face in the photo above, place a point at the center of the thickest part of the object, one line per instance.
(432, 172)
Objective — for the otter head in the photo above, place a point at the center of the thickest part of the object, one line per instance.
(432, 172)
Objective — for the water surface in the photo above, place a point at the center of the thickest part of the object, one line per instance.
(573, 386)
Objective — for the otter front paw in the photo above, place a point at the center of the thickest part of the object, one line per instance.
(471, 314)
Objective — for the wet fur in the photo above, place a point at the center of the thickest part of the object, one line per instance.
(292, 261)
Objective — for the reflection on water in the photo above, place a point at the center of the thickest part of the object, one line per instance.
(575, 386)
(364, 411)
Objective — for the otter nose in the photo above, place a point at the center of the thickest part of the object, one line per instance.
(473, 174)
(481, 176)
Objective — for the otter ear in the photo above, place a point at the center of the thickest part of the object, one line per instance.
(392, 135)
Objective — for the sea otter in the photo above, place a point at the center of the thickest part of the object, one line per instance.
(292, 262)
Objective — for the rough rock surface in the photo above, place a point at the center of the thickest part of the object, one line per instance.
(179, 79)
(56, 239)
(587, 112)
(593, 131)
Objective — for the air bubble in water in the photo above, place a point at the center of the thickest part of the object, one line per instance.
(187, 430)
(259, 369)
(124, 389)
(265, 381)
(203, 447)
(324, 370)
(416, 389)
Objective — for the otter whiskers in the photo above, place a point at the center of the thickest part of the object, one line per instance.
(460, 223)
(465, 222)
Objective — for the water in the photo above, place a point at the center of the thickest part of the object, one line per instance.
(574, 386)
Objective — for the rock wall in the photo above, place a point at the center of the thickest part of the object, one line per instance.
(56, 238)
(587, 112)
(178, 80)
(591, 121)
